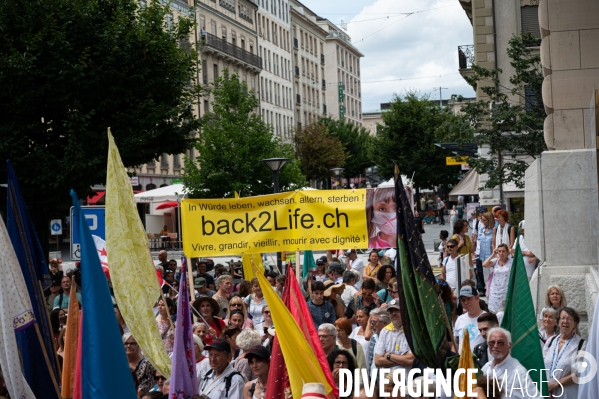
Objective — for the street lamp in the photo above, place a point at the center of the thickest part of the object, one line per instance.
(276, 164)
(337, 172)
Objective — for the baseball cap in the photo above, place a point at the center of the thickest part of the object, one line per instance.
(335, 266)
(199, 282)
(322, 259)
(258, 351)
(349, 252)
(393, 304)
(468, 291)
(220, 345)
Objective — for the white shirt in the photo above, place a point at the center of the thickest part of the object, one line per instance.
(559, 363)
(357, 265)
(217, 391)
(391, 253)
(348, 294)
(451, 272)
(465, 322)
(392, 341)
(515, 373)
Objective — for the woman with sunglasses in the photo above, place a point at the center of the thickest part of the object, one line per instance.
(236, 303)
(139, 365)
(389, 294)
(501, 263)
(159, 379)
(263, 327)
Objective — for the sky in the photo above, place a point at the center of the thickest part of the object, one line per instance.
(417, 52)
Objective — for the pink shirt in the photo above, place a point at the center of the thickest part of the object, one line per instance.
(378, 242)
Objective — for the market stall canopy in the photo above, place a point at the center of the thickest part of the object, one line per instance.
(161, 194)
(467, 186)
(169, 204)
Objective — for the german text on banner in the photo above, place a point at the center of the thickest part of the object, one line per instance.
(15, 312)
(314, 219)
(132, 271)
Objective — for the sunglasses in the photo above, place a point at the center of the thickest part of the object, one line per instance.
(266, 312)
(160, 377)
(451, 246)
(393, 292)
(235, 305)
(130, 343)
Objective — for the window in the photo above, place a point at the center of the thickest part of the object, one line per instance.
(251, 46)
(206, 107)
(530, 21)
(233, 38)
(202, 23)
(204, 72)
(177, 162)
(531, 98)
(213, 28)
(164, 161)
(224, 33)
(169, 20)
(215, 71)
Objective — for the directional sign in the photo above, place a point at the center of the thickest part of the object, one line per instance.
(96, 220)
(56, 227)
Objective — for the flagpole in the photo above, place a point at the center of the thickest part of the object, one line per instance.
(39, 337)
(53, 347)
(297, 266)
(191, 307)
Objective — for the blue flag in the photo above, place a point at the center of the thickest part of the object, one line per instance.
(104, 367)
(37, 350)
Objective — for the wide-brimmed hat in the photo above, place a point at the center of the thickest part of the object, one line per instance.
(215, 306)
(209, 264)
(313, 390)
(331, 286)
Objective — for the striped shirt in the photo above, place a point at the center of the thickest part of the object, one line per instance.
(393, 341)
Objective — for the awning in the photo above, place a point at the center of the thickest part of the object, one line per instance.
(98, 195)
(467, 186)
(162, 194)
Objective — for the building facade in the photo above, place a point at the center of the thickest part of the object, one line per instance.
(494, 23)
(228, 33)
(276, 78)
(342, 74)
(308, 64)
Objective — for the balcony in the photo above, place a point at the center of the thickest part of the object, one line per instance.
(466, 59)
(298, 99)
(324, 84)
(218, 45)
(322, 58)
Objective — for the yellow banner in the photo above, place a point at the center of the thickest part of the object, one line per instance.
(299, 220)
(449, 161)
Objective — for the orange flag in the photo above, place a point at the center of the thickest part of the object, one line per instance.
(71, 341)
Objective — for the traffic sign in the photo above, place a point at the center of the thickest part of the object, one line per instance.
(56, 227)
(96, 220)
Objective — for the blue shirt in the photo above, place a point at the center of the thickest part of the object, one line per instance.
(485, 241)
(321, 314)
(64, 304)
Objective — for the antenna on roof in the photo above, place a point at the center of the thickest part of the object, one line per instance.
(343, 25)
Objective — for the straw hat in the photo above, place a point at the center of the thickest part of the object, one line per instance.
(313, 390)
(330, 286)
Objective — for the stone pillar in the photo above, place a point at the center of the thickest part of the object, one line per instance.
(561, 187)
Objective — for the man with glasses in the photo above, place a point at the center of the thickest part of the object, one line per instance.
(327, 333)
(449, 270)
(368, 299)
(379, 318)
(322, 311)
(510, 374)
(469, 320)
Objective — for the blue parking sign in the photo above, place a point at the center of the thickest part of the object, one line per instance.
(96, 220)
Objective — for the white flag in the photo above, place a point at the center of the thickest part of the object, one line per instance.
(16, 313)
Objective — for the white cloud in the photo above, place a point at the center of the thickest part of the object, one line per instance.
(421, 48)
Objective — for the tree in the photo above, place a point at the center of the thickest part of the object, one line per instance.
(510, 129)
(408, 138)
(318, 151)
(69, 69)
(356, 140)
(233, 141)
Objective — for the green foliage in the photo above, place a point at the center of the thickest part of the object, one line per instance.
(69, 69)
(318, 151)
(356, 141)
(510, 128)
(233, 141)
(408, 137)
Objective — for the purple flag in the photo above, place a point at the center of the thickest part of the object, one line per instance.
(184, 383)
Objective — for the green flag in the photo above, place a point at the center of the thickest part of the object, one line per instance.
(520, 320)
(309, 263)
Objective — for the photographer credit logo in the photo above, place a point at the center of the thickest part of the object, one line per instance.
(584, 366)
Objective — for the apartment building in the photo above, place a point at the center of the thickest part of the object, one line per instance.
(342, 74)
(308, 61)
(276, 78)
(228, 32)
(494, 23)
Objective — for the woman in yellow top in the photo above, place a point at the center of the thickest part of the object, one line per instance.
(373, 266)
(460, 235)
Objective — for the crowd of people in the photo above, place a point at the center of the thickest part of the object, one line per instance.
(355, 308)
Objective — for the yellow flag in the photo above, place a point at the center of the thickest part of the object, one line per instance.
(301, 362)
(131, 268)
(236, 194)
(466, 362)
(248, 270)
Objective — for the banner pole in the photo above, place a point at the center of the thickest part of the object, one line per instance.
(298, 267)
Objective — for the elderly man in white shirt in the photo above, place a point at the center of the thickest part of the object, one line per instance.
(511, 376)
(222, 380)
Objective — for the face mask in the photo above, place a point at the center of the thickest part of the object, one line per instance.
(385, 221)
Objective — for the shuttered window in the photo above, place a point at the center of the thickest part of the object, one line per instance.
(530, 21)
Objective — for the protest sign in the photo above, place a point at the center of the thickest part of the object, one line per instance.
(298, 220)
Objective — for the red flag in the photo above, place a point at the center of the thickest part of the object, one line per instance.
(295, 302)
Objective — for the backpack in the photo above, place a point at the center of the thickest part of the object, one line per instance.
(580, 343)
(228, 380)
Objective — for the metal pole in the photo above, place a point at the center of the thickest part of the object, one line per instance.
(276, 188)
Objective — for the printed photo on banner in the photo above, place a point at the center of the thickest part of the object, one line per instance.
(381, 217)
